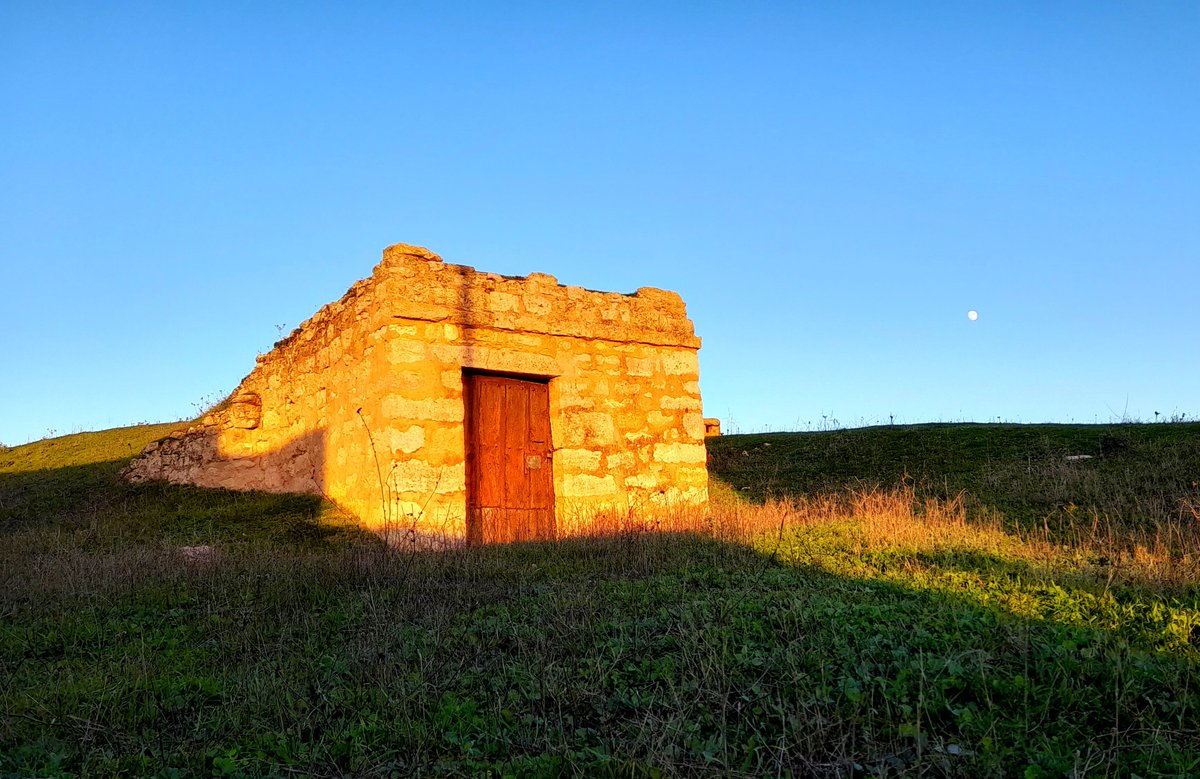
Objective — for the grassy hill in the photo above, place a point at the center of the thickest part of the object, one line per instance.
(1136, 474)
(936, 600)
(66, 492)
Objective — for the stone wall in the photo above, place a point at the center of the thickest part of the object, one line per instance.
(364, 402)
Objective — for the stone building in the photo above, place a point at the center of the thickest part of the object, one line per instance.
(448, 403)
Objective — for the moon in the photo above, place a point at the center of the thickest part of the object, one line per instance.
(972, 315)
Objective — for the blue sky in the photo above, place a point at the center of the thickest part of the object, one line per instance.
(830, 186)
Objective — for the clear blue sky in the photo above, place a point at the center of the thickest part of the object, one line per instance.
(830, 186)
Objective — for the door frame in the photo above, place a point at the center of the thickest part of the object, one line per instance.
(473, 530)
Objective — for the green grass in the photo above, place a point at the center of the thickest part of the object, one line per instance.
(1137, 474)
(65, 493)
(884, 638)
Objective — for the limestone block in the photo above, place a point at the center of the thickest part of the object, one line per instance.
(577, 401)
(432, 409)
(452, 479)
(686, 403)
(403, 308)
(627, 389)
(591, 429)
(620, 461)
(571, 394)
(245, 411)
(534, 342)
(445, 442)
(636, 366)
(680, 453)
(658, 420)
(415, 380)
(447, 353)
(695, 425)
(406, 441)
(518, 323)
(582, 485)
(661, 298)
(537, 305)
(508, 361)
(642, 481)
(413, 476)
(406, 351)
(502, 301)
(573, 460)
(401, 253)
(680, 363)
(691, 477)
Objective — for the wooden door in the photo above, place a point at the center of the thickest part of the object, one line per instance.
(510, 484)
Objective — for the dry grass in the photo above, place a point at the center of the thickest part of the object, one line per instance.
(832, 636)
(1164, 556)
(840, 632)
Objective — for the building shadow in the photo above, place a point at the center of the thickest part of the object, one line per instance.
(744, 653)
(96, 500)
(210, 456)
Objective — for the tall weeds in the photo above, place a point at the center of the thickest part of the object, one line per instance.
(1165, 554)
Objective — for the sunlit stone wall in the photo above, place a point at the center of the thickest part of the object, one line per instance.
(364, 402)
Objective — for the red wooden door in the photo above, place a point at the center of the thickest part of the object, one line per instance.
(510, 484)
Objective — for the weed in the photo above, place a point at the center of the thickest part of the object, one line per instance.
(907, 627)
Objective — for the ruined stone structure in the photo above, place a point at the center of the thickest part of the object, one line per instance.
(433, 397)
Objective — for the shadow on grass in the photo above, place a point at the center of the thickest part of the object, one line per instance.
(633, 655)
(93, 498)
(298, 650)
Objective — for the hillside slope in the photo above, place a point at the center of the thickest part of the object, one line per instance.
(881, 635)
(70, 486)
(1032, 475)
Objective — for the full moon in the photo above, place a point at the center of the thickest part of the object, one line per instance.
(972, 315)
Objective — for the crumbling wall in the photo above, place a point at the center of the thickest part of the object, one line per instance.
(364, 401)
